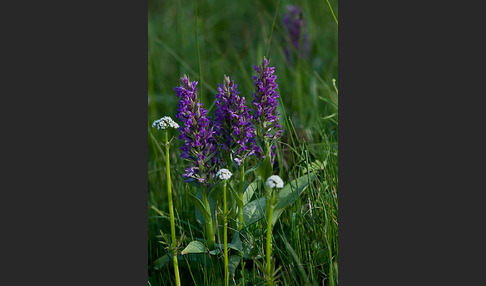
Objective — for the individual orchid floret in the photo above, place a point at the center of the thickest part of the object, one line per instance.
(165, 122)
(274, 181)
(233, 125)
(295, 26)
(224, 174)
(198, 143)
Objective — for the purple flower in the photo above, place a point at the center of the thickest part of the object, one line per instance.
(295, 26)
(233, 125)
(198, 143)
(265, 101)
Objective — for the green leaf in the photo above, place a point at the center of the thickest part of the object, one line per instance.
(199, 205)
(219, 248)
(236, 242)
(254, 211)
(253, 168)
(161, 262)
(234, 193)
(315, 166)
(233, 262)
(290, 193)
(194, 247)
(250, 190)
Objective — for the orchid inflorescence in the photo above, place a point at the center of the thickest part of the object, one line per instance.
(295, 26)
(197, 133)
(235, 128)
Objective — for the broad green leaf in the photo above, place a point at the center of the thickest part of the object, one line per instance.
(250, 190)
(233, 192)
(233, 262)
(236, 242)
(254, 211)
(316, 165)
(161, 262)
(290, 193)
(220, 247)
(253, 168)
(199, 205)
(194, 247)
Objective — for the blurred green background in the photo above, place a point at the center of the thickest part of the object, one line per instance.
(206, 39)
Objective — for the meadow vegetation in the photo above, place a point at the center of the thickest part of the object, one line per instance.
(207, 41)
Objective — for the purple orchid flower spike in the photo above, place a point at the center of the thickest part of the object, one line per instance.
(197, 134)
(265, 102)
(233, 125)
(296, 26)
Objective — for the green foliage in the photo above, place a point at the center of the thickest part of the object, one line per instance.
(206, 39)
(194, 247)
(255, 210)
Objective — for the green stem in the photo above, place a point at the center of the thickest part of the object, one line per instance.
(269, 206)
(240, 194)
(225, 235)
(240, 215)
(171, 211)
(268, 152)
(208, 218)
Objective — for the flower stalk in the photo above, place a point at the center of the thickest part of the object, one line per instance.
(225, 219)
(270, 201)
(171, 211)
(163, 123)
(272, 182)
(224, 175)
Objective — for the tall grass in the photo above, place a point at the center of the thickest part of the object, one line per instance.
(206, 39)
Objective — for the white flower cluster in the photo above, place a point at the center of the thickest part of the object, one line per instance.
(275, 181)
(223, 174)
(165, 122)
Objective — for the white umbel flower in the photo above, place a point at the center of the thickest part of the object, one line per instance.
(165, 122)
(224, 174)
(275, 181)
